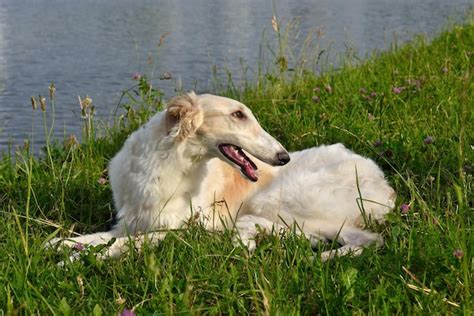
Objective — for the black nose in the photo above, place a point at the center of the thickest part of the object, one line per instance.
(283, 157)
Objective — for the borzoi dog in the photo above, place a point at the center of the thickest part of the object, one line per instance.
(207, 156)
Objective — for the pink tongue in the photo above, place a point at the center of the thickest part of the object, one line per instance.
(249, 171)
(243, 163)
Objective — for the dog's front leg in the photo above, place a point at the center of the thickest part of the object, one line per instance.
(81, 243)
(353, 241)
(101, 238)
(123, 245)
(248, 226)
(118, 245)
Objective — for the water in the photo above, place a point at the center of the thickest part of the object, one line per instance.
(92, 47)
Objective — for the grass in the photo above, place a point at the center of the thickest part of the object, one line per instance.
(409, 109)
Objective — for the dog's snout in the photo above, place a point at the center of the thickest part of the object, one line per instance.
(283, 158)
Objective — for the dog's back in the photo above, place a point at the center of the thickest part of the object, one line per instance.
(326, 183)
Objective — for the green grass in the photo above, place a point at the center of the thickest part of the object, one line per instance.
(425, 266)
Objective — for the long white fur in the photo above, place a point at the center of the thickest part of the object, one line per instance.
(171, 169)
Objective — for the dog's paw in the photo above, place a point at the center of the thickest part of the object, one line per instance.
(328, 255)
(250, 244)
(340, 252)
(315, 240)
(53, 243)
(245, 241)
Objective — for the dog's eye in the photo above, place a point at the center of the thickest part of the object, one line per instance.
(239, 114)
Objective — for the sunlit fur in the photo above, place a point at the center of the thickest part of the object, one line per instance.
(171, 170)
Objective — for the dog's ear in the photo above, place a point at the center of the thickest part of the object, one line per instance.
(183, 116)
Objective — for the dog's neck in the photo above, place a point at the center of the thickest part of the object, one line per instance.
(176, 160)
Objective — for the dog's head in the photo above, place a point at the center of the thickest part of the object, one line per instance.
(226, 129)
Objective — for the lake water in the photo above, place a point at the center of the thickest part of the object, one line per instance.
(92, 47)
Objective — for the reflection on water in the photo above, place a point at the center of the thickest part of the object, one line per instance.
(92, 47)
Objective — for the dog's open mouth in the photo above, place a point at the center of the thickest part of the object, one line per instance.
(237, 156)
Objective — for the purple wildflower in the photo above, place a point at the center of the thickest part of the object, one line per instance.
(127, 312)
(136, 75)
(79, 247)
(316, 90)
(445, 70)
(373, 94)
(428, 140)
(102, 180)
(328, 88)
(397, 90)
(404, 208)
(458, 253)
(362, 90)
(316, 99)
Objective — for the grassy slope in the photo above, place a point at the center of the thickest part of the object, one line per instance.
(197, 271)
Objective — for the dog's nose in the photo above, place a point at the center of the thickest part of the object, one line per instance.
(283, 157)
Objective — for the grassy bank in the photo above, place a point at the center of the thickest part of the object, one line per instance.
(410, 109)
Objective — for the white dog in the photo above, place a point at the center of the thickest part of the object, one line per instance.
(207, 156)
